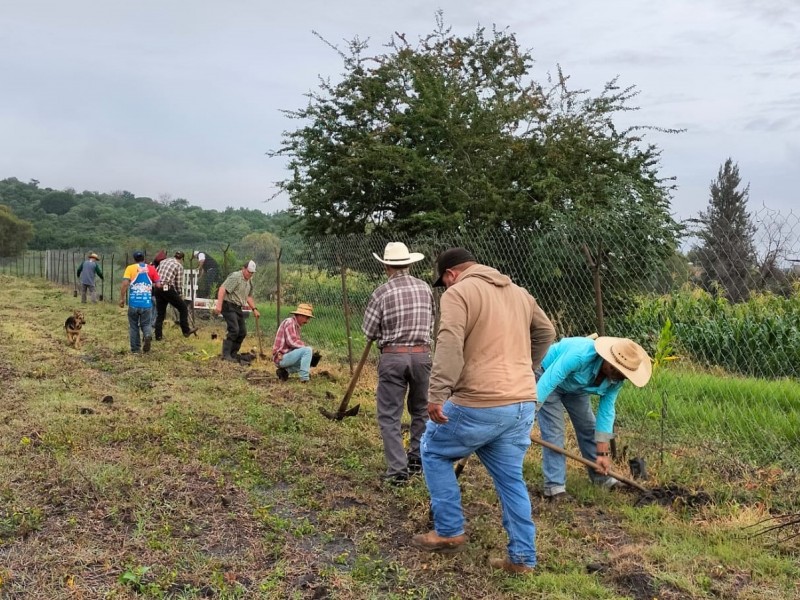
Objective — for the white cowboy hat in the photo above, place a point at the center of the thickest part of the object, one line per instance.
(396, 254)
(627, 357)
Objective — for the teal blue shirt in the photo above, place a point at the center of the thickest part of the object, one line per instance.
(571, 366)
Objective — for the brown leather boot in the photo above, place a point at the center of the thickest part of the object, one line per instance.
(433, 542)
(506, 565)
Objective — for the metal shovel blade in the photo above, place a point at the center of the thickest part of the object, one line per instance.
(339, 415)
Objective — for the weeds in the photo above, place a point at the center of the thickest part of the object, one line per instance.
(195, 482)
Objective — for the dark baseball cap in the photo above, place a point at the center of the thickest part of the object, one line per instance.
(138, 255)
(449, 259)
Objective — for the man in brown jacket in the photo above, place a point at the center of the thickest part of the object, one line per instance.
(481, 400)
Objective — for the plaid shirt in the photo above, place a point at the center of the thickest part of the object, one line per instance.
(171, 273)
(400, 312)
(286, 339)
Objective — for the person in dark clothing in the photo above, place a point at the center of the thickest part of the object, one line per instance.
(208, 273)
(170, 270)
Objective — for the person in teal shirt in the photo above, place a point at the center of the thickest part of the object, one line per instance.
(571, 370)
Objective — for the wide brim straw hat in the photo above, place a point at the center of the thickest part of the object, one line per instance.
(305, 309)
(396, 254)
(628, 357)
(93, 255)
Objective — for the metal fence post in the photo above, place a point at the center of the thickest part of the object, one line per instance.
(346, 306)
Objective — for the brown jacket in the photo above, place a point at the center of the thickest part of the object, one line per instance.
(492, 334)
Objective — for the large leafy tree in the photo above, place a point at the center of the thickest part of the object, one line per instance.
(14, 232)
(726, 252)
(452, 133)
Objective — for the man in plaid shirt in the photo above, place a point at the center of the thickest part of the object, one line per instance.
(170, 270)
(399, 316)
(289, 353)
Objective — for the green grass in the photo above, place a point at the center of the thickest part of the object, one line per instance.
(195, 481)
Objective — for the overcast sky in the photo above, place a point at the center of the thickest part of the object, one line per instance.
(183, 97)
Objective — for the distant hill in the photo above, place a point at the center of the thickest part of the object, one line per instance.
(69, 219)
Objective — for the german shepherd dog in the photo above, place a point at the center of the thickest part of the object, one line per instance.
(73, 326)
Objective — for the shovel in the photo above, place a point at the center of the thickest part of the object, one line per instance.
(589, 463)
(261, 354)
(343, 410)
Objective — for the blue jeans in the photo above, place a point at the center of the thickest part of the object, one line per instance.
(139, 318)
(298, 361)
(551, 425)
(500, 436)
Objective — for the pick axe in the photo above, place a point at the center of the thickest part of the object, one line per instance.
(343, 410)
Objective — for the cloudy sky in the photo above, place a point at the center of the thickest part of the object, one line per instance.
(183, 97)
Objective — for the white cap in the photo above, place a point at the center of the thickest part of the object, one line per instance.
(251, 266)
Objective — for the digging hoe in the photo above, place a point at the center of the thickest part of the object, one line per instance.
(343, 410)
(589, 463)
(261, 354)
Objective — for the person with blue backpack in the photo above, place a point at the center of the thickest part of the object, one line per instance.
(137, 288)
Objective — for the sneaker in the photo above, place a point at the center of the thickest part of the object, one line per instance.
(608, 482)
(146, 346)
(504, 564)
(414, 465)
(282, 374)
(433, 542)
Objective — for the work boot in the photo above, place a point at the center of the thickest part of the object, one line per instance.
(396, 480)
(226, 351)
(433, 542)
(504, 564)
(414, 465)
(186, 334)
(146, 345)
(559, 498)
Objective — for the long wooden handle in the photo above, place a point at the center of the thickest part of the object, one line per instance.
(588, 463)
(258, 335)
(354, 378)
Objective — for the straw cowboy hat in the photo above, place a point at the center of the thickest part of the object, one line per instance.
(396, 254)
(305, 309)
(628, 357)
(94, 256)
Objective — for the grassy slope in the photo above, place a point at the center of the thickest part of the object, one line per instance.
(196, 481)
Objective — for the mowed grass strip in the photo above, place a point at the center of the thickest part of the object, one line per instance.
(192, 481)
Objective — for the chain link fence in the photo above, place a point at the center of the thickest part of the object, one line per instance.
(720, 316)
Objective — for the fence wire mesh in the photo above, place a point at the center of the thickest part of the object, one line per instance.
(719, 315)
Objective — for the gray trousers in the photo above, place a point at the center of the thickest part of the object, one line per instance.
(398, 373)
(88, 288)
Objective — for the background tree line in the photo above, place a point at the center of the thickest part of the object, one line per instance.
(44, 218)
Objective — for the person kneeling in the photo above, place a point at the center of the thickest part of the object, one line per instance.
(289, 352)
